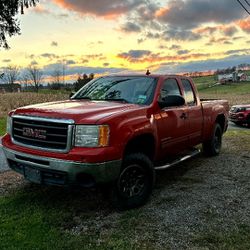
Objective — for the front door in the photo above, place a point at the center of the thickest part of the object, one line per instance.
(172, 122)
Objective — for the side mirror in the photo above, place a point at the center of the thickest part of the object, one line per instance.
(71, 94)
(171, 101)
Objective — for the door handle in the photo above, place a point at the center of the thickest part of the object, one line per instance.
(183, 116)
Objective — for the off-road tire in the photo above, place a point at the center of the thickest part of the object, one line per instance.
(135, 182)
(212, 147)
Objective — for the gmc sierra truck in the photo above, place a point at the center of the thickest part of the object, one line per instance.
(116, 129)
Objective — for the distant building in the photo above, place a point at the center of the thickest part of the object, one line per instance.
(7, 88)
(233, 77)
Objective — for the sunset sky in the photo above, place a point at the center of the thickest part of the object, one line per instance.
(111, 36)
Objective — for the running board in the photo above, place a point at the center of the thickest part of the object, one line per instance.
(179, 160)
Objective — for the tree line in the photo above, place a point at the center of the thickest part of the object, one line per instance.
(32, 77)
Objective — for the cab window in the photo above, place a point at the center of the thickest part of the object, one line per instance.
(188, 92)
(170, 87)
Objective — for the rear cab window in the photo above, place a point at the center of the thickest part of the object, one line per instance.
(189, 94)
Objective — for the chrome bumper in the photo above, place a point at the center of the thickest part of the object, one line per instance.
(61, 172)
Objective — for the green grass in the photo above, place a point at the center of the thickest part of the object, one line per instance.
(2, 126)
(204, 81)
(43, 218)
(236, 239)
(235, 89)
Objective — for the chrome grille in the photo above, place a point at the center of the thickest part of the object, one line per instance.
(42, 133)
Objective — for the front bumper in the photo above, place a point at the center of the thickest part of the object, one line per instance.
(52, 171)
(237, 118)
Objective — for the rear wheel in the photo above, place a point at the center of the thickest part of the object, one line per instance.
(212, 147)
(135, 182)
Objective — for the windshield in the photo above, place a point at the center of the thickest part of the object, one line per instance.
(135, 89)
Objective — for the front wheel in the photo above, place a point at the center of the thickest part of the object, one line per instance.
(135, 182)
(212, 147)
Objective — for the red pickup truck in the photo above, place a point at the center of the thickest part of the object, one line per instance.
(240, 114)
(116, 129)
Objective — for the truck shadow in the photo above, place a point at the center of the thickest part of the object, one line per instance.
(79, 200)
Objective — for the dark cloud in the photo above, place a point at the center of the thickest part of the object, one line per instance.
(183, 52)
(140, 40)
(134, 54)
(33, 63)
(238, 37)
(49, 55)
(6, 60)
(227, 42)
(146, 56)
(237, 51)
(70, 62)
(76, 70)
(229, 31)
(105, 8)
(205, 65)
(152, 35)
(85, 61)
(173, 33)
(208, 30)
(94, 56)
(214, 40)
(191, 13)
(130, 27)
(54, 44)
(175, 47)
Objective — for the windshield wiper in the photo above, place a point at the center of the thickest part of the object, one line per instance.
(117, 100)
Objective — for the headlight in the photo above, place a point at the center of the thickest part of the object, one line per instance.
(91, 136)
(8, 125)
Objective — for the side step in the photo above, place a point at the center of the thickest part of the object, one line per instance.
(192, 154)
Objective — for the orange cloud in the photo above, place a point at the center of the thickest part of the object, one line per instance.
(154, 58)
(227, 30)
(162, 12)
(245, 25)
(109, 9)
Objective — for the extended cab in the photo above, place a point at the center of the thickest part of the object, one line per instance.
(116, 129)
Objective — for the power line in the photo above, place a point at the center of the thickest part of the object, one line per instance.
(243, 7)
(247, 3)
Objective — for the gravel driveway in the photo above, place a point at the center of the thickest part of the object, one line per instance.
(3, 164)
(203, 196)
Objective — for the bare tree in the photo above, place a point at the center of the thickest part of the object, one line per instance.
(10, 76)
(57, 76)
(24, 80)
(35, 75)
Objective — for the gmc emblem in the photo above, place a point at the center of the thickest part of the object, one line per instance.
(35, 133)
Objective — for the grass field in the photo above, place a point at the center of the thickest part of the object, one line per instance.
(2, 126)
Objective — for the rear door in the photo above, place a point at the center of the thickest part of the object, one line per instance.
(194, 113)
(171, 121)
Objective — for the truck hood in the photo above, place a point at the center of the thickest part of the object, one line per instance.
(82, 112)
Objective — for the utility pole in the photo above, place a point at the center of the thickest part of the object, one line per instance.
(63, 71)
